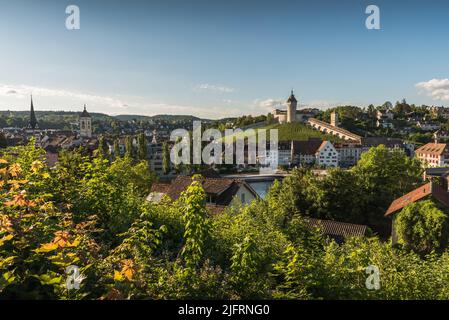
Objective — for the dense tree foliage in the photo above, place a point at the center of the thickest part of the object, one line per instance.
(92, 213)
(422, 227)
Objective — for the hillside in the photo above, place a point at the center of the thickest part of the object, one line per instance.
(299, 131)
(296, 131)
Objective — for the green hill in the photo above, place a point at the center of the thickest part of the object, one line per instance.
(300, 132)
(295, 131)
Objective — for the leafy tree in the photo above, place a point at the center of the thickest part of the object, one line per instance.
(193, 204)
(38, 239)
(116, 149)
(92, 213)
(103, 149)
(382, 175)
(339, 197)
(294, 274)
(3, 140)
(129, 148)
(165, 158)
(270, 118)
(422, 227)
(142, 143)
(244, 268)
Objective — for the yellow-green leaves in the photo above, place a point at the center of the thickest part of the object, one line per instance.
(5, 238)
(47, 247)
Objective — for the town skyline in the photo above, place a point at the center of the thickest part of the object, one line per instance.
(202, 59)
(281, 104)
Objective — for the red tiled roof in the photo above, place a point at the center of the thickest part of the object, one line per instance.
(323, 144)
(432, 148)
(410, 197)
(430, 188)
(223, 189)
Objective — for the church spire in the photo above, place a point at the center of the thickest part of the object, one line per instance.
(85, 114)
(33, 121)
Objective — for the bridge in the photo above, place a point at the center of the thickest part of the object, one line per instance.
(327, 128)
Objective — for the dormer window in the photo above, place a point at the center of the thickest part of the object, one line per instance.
(211, 198)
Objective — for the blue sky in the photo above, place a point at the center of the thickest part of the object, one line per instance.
(220, 58)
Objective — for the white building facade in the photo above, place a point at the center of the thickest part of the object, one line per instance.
(327, 155)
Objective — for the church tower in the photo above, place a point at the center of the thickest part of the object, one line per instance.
(33, 121)
(154, 141)
(291, 108)
(85, 124)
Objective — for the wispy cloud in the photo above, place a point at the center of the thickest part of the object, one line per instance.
(15, 97)
(268, 105)
(24, 91)
(326, 104)
(214, 88)
(437, 89)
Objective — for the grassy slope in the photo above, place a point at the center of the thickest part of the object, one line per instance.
(299, 131)
(296, 131)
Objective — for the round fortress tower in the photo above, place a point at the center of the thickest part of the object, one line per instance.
(292, 103)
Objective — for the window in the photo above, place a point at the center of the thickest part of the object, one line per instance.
(242, 198)
(211, 198)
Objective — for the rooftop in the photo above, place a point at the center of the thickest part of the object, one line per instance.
(432, 149)
(429, 189)
(338, 230)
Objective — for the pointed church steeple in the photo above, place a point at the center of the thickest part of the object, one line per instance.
(85, 124)
(85, 114)
(33, 121)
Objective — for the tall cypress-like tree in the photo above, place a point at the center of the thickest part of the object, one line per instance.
(116, 149)
(103, 149)
(142, 142)
(129, 147)
(3, 140)
(165, 158)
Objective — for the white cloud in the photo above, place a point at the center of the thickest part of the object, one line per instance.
(326, 104)
(271, 103)
(209, 112)
(24, 91)
(16, 97)
(437, 89)
(214, 88)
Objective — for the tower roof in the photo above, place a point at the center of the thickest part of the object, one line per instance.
(292, 98)
(85, 114)
(33, 121)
